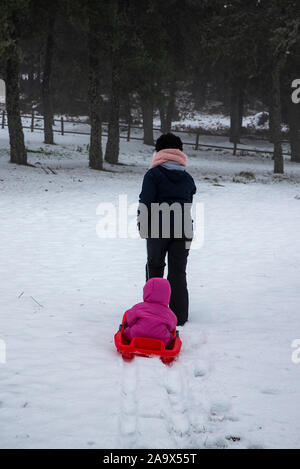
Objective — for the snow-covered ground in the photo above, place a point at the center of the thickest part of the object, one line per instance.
(64, 290)
(221, 123)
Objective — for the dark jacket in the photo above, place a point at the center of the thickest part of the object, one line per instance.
(163, 185)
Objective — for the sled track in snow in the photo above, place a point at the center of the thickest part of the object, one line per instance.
(128, 403)
(156, 403)
(172, 407)
(178, 416)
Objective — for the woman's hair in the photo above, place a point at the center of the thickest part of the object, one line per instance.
(168, 141)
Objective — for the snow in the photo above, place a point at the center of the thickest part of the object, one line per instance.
(64, 290)
(216, 123)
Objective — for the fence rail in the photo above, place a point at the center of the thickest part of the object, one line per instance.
(128, 127)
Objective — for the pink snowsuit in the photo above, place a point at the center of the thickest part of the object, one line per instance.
(153, 318)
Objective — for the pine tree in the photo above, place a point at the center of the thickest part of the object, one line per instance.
(13, 14)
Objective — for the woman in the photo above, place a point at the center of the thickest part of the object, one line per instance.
(165, 219)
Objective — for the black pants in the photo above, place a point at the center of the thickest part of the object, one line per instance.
(177, 262)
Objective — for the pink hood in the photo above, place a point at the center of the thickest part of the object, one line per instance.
(157, 290)
(153, 317)
(171, 154)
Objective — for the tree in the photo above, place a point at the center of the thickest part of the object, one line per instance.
(294, 133)
(47, 73)
(230, 40)
(66, 72)
(95, 100)
(149, 62)
(70, 65)
(14, 13)
(252, 42)
(115, 37)
(167, 106)
(291, 110)
(200, 81)
(236, 112)
(277, 119)
(113, 139)
(277, 30)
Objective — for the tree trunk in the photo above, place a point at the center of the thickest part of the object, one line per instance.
(236, 114)
(224, 95)
(46, 83)
(167, 111)
(31, 82)
(271, 123)
(163, 119)
(276, 113)
(95, 150)
(147, 108)
(128, 116)
(294, 134)
(18, 153)
(113, 141)
(171, 107)
(200, 93)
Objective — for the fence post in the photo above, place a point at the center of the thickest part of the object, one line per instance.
(62, 125)
(129, 130)
(197, 140)
(234, 149)
(3, 119)
(32, 120)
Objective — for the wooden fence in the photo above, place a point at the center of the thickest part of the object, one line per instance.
(128, 128)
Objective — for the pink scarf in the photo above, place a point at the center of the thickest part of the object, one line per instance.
(171, 154)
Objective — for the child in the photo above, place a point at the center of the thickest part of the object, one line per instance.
(153, 318)
(166, 183)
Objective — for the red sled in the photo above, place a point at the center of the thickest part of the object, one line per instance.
(146, 347)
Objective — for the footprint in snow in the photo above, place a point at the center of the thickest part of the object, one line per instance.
(193, 341)
(128, 402)
(178, 420)
(215, 443)
(181, 424)
(219, 410)
(128, 427)
(173, 382)
(200, 369)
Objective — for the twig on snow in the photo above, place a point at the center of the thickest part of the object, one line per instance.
(36, 302)
(52, 170)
